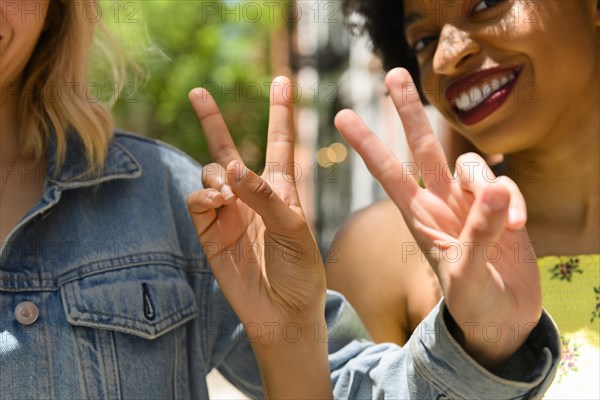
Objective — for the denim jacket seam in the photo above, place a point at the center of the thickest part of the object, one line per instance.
(163, 258)
(65, 281)
(51, 383)
(207, 311)
(47, 284)
(182, 316)
(101, 339)
(82, 374)
(120, 134)
(82, 180)
(178, 314)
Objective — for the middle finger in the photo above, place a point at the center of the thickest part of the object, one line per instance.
(424, 145)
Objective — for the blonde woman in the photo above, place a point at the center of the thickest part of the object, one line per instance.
(105, 291)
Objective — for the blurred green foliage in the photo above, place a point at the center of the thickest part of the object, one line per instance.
(182, 44)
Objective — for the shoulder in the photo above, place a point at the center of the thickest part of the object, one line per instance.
(363, 265)
(379, 267)
(160, 161)
(148, 150)
(157, 195)
(370, 232)
(378, 217)
(368, 246)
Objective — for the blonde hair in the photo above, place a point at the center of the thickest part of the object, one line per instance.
(50, 103)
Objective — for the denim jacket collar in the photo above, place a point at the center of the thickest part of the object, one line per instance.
(119, 164)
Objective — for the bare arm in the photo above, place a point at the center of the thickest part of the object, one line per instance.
(380, 269)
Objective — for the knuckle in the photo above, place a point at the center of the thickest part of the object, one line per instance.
(262, 189)
(193, 200)
(480, 228)
(423, 141)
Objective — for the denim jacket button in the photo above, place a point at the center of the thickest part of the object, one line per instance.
(26, 313)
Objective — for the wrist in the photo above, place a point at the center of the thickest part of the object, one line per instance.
(491, 344)
(293, 361)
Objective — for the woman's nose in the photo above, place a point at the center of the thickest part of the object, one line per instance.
(454, 48)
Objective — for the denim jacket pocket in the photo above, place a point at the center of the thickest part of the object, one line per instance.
(127, 330)
(145, 301)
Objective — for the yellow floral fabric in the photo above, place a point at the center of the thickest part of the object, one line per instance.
(571, 294)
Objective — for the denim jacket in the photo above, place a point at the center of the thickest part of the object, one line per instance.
(105, 293)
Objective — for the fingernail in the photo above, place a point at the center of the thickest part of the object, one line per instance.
(212, 195)
(514, 215)
(226, 191)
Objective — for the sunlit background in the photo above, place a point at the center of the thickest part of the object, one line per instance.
(234, 49)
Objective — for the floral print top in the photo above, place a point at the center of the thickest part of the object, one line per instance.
(571, 294)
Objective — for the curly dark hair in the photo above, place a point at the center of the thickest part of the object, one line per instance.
(384, 23)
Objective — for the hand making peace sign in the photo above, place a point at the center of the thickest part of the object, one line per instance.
(470, 226)
(261, 250)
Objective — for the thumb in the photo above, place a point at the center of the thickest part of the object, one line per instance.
(257, 194)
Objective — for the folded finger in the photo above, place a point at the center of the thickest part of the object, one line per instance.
(202, 205)
(214, 176)
(475, 175)
(517, 209)
(484, 225)
(473, 172)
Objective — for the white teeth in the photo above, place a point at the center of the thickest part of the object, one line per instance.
(491, 87)
(476, 95)
(463, 101)
(488, 90)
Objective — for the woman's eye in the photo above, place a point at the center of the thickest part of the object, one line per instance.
(422, 43)
(485, 4)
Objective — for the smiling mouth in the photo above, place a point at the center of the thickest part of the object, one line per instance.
(474, 96)
(478, 95)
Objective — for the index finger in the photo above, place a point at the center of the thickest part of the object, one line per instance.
(399, 184)
(220, 144)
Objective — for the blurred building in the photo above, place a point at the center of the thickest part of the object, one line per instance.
(337, 70)
(334, 71)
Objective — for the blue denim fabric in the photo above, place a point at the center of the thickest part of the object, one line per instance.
(128, 307)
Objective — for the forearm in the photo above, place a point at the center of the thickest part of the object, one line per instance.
(294, 363)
